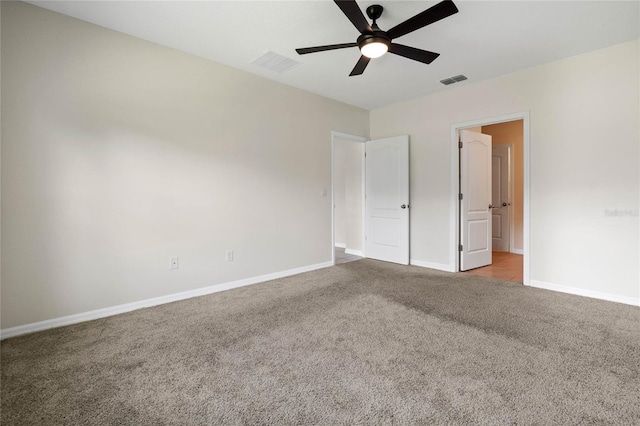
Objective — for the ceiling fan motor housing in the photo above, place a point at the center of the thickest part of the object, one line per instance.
(378, 36)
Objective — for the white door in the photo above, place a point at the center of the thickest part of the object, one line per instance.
(475, 203)
(387, 199)
(500, 193)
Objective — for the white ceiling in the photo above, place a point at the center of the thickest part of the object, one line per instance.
(483, 40)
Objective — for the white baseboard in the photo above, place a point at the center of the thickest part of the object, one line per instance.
(433, 265)
(127, 307)
(354, 252)
(340, 245)
(517, 251)
(586, 293)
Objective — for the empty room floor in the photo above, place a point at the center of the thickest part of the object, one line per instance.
(363, 342)
(504, 266)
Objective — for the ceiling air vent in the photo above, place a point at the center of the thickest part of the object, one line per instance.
(276, 63)
(454, 79)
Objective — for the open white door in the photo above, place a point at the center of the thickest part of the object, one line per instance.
(500, 198)
(387, 199)
(475, 203)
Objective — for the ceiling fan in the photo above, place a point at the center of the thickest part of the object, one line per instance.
(374, 42)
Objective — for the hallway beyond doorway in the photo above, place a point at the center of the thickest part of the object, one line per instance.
(342, 257)
(505, 266)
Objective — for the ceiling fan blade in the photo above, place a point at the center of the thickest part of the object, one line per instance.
(305, 50)
(360, 66)
(412, 53)
(351, 9)
(433, 14)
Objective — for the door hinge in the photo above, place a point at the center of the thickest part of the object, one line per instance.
(460, 247)
(460, 144)
(460, 196)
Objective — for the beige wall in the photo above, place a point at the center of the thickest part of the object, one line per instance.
(584, 162)
(118, 154)
(511, 133)
(348, 156)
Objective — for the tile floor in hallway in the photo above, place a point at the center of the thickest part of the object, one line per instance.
(342, 257)
(506, 266)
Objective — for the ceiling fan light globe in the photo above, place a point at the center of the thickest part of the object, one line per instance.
(374, 50)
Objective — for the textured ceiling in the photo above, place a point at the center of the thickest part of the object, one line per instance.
(483, 40)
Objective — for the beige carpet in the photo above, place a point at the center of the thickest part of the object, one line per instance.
(364, 342)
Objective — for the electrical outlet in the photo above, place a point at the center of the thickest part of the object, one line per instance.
(174, 263)
(230, 256)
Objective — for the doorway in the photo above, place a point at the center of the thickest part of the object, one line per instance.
(347, 197)
(508, 223)
(370, 198)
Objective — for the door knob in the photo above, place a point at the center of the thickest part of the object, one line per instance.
(490, 206)
(404, 206)
(504, 204)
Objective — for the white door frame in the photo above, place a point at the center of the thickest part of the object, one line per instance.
(454, 229)
(355, 138)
